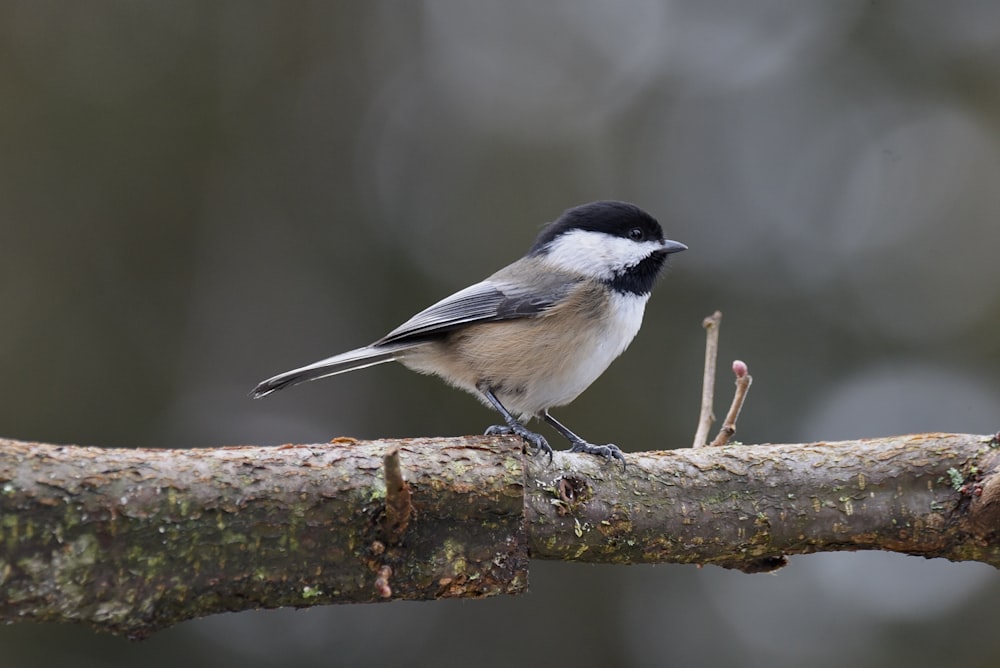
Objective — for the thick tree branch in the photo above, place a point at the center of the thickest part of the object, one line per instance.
(131, 541)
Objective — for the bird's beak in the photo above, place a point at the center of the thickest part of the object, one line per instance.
(673, 246)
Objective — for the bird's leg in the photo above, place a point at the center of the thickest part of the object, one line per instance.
(536, 441)
(608, 451)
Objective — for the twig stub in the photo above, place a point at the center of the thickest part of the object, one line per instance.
(398, 506)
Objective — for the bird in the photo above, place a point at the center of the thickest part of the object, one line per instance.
(535, 334)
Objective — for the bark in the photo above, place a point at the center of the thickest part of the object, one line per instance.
(131, 541)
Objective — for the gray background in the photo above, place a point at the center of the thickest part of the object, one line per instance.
(194, 196)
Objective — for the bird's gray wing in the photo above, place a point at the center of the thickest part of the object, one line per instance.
(488, 301)
(493, 299)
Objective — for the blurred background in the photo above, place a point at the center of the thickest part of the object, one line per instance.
(194, 196)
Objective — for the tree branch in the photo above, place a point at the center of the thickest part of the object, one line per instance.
(131, 541)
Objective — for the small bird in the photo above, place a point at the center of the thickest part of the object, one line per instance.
(537, 333)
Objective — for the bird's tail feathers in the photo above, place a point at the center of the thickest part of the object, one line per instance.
(331, 366)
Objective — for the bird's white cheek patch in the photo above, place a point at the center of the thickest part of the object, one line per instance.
(597, 254)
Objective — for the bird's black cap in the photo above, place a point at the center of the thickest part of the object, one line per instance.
(608, 216)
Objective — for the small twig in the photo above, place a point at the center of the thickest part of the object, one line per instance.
(743, 381)
(706, 418)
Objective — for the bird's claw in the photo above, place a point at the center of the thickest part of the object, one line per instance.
(536, 442)
(609, 451)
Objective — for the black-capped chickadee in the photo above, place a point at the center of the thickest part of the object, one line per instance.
(536, 333)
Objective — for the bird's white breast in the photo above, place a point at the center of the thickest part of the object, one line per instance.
(593, 351)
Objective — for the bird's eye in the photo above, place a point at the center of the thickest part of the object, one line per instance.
(635, 234)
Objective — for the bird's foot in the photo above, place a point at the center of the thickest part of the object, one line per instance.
(537, 442)
(609, 451)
